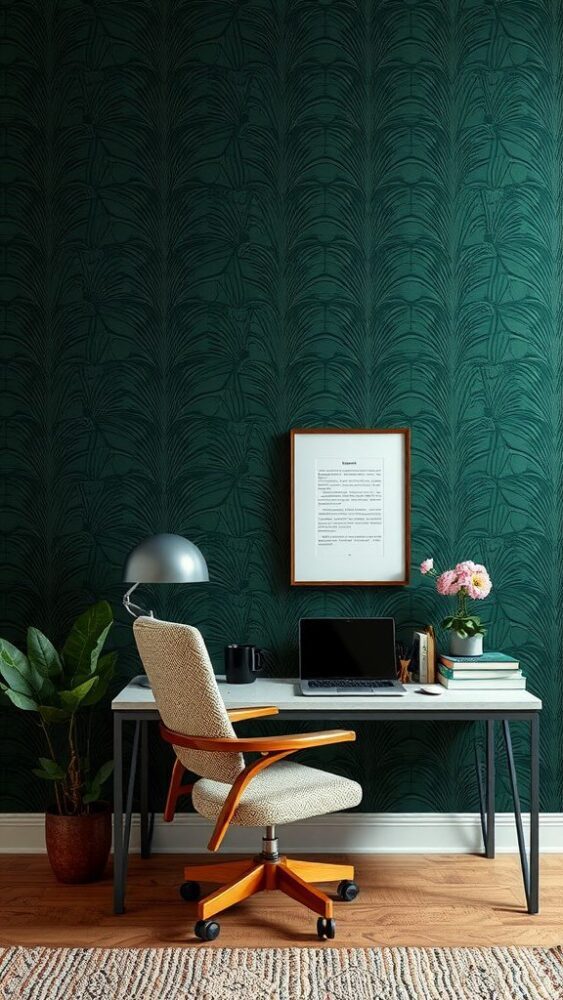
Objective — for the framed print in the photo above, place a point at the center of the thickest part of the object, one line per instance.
(350, 507)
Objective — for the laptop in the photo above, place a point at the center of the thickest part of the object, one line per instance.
(348, 656)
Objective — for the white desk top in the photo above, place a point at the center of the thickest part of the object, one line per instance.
(283, 692)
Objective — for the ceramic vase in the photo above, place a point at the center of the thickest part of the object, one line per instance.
(472, 645)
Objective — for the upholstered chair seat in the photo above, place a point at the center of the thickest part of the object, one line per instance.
(284, 793)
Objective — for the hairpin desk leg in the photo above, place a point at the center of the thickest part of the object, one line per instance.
(129, 803)
(118, 880)
(147, 818)
(490, 756)
(487, 792)
(534, 901)
(517, 811)
(530, 873)
(481, 790)
(121, 822)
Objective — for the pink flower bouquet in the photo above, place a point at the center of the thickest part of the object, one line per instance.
(466, 580)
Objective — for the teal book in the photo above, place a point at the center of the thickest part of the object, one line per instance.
(472, 672)
(487, 661)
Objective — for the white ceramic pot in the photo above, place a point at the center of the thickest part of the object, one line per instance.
(470, 646)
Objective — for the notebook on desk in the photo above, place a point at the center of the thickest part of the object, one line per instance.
(348, 656)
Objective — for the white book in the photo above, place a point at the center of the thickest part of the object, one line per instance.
(422, 639)
(511, 683)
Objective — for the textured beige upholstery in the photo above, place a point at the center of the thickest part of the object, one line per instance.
(186, 693)
(189, 701)
(282, 793)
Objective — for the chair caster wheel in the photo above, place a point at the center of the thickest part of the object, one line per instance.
(347, 891)
(326, 928)
(207, 930)
(190, 891)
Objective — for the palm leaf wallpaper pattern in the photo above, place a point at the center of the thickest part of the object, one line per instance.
(226, 218)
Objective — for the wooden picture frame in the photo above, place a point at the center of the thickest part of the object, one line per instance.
(350, 507)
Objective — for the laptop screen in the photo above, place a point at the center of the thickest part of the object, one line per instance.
(347, 648)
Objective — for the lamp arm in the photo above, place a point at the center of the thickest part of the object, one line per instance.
(134, 609)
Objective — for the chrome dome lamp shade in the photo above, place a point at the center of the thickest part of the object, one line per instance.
(162, 558)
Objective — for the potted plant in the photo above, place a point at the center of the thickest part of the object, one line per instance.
(467, 581)
(60, 688)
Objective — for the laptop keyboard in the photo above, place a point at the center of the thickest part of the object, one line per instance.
(351, 684)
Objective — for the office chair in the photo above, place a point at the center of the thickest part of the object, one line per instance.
(262, 793)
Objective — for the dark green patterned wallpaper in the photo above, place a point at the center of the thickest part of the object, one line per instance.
(223, 219)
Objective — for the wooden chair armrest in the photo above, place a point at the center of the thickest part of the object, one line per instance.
(237, 788)
(272, 749)
(259, 744)
(256, 712)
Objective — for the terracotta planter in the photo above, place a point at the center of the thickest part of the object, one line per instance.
(78, 846)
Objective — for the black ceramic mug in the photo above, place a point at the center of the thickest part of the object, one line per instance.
(242, 663)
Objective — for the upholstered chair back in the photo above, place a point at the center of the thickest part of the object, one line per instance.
(177, 664)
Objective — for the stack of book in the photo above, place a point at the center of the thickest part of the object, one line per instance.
(491, 671)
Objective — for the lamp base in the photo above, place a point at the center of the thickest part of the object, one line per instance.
(141, 680)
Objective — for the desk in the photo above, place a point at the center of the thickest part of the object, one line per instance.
(136, 704)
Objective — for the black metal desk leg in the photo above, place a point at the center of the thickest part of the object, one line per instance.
(534, 900)
(147, 818)
(481, 790)
(517, 810)
(530, 874)
(118, 879)
(490, 842)
(121, 824)
(487, 791)
(129, 804)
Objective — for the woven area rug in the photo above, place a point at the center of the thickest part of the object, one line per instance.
(281, 974)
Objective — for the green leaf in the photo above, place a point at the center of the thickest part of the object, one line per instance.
(473, 622)
(47, 689)
(22, 701)
(94, 787)
(93, 795)
(19, 673)
(104, 671)
(14, 679)
(51, 714)
(98, 648)
(51, 768)
(84, 636)
(73, 698)
(46, 775)
(15, 668)
(96, 693)
(107, 665)
(42, 654)
(14, 657)
(104, 773)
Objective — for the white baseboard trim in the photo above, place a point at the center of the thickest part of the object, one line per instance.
(358, 833)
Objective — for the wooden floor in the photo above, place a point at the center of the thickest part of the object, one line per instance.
(437, 900)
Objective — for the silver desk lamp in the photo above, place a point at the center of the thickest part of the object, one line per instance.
(162, 559)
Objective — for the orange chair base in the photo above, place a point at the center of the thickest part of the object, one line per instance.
(241, 879)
